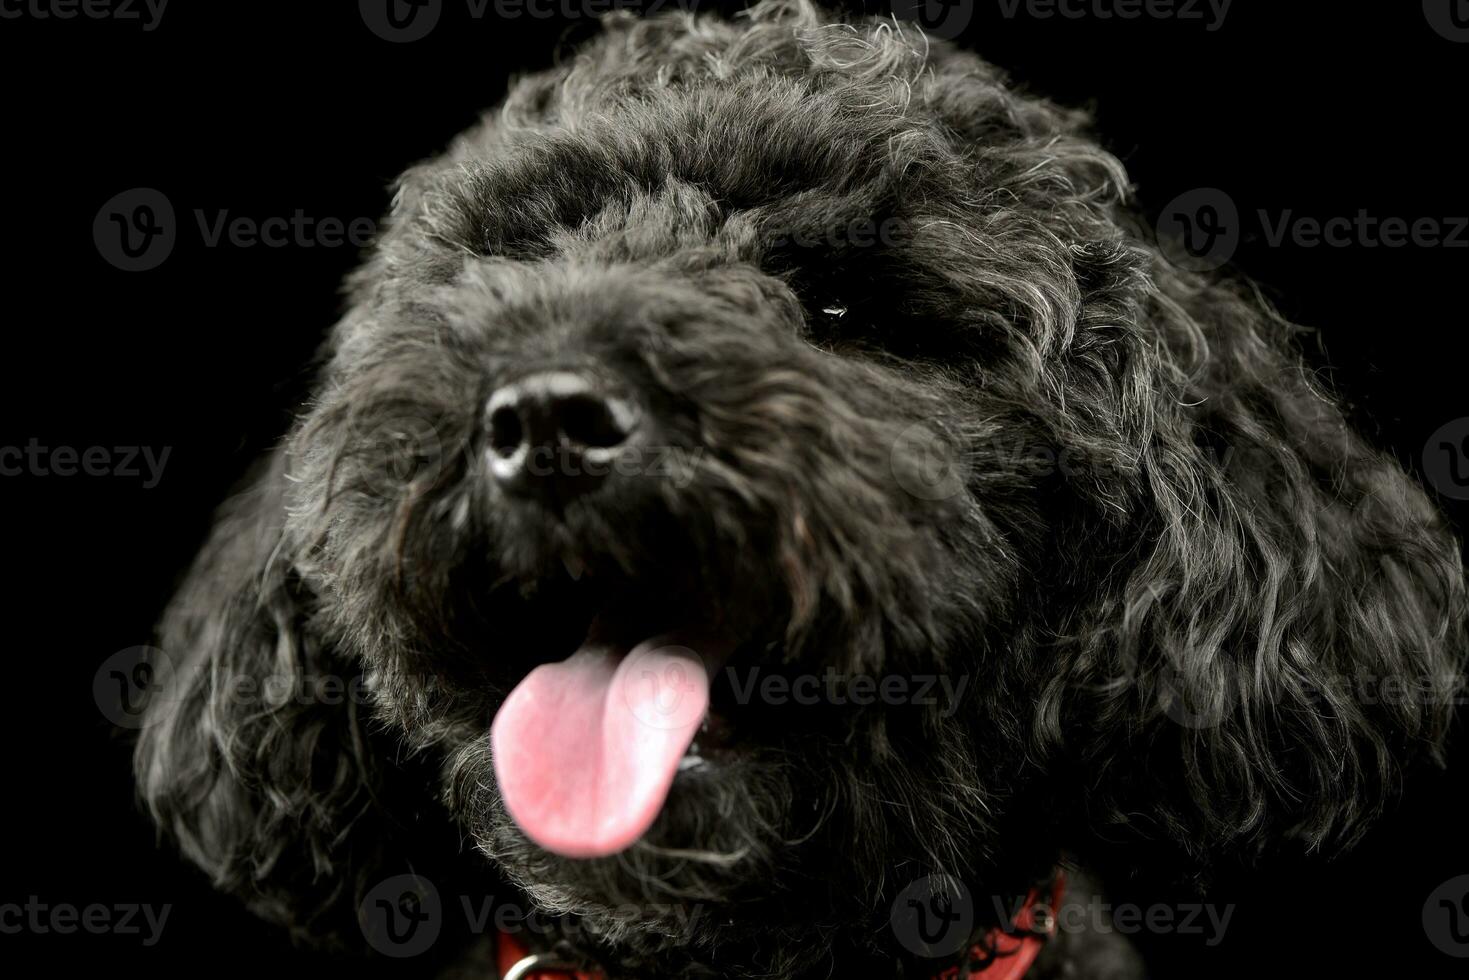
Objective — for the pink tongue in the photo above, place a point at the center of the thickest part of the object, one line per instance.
(586, 749)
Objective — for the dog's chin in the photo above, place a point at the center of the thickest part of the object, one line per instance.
(722, 842)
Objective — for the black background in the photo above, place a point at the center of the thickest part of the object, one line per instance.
(262, 109)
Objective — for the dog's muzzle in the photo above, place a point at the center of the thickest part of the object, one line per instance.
(555, 435)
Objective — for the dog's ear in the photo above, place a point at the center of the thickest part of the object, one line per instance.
(1280, 628)
(257, 752)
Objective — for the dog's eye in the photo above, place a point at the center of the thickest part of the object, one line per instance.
(827, 318)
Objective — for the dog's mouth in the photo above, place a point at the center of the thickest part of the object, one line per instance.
(587, 747)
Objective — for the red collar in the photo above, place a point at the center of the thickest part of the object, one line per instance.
(514, 962)
(1004, 954)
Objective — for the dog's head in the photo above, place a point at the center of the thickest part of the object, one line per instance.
(762, 465)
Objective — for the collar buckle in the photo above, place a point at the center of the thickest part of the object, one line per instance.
(538, 963)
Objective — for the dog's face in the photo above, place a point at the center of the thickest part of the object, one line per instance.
(666, 447)
(768, 469)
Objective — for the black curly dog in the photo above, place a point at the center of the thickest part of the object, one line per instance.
(800, 391)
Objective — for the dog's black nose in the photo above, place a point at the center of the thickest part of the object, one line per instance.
(556, 434)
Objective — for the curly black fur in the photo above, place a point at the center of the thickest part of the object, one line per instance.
(1165, 630)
